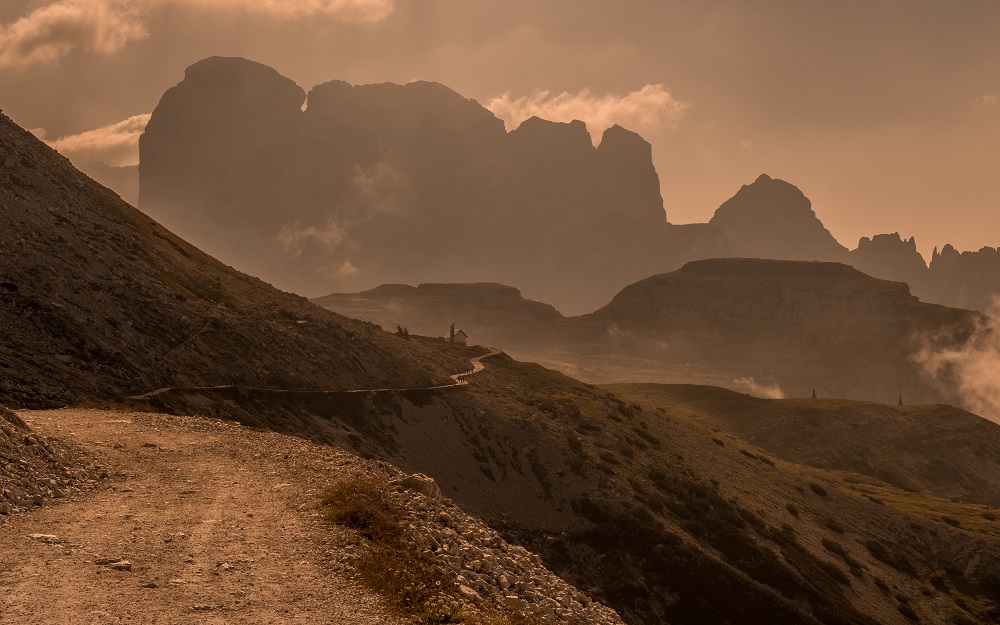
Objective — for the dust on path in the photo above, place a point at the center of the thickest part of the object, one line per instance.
(219, 523)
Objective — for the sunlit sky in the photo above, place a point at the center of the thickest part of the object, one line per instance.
(886, 114)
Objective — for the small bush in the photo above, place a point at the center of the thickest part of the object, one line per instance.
(718, 442)
(748, 454)
(366, 506)
(816, 488)
(951, 521)
(834, 525)
(989, 516)
(792, 509)
(907, 611)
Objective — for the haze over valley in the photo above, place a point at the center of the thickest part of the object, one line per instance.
(376, 311)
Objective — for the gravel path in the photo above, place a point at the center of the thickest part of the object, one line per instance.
(217, 522)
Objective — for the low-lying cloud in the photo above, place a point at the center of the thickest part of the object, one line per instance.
(767, 391)
(973, 368)
(648, 110)
(115, 144)
(48, 33)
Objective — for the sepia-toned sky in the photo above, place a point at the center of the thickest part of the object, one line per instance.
(886, 113)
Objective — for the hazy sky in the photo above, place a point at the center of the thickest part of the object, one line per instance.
(886, 113)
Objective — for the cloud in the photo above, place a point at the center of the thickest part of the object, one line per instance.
(650, 109)
(990, 99)
(49, 33)
(973, 367)
(772, 391)
(298, 239)
(115, 144)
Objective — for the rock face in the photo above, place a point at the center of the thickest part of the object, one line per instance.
(889, 257)
(370, 184)
(773, 219)
(966, 279)
(98, 301)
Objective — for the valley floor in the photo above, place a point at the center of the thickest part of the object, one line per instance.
(219, 523)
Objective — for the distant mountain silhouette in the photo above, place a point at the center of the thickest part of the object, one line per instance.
(491, 314)
(349, 187)
(773, 219)
(791, 325)
(98, 301)
(403, 183)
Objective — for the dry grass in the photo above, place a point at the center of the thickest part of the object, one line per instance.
(413, 583)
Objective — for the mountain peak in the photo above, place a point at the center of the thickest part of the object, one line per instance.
(772, 218)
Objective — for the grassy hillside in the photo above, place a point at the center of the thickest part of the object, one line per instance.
(939, 449)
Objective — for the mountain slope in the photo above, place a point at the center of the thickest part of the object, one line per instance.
(98, 301)
(655, 515)
(773, 219)
(938, 449)
(802, 325)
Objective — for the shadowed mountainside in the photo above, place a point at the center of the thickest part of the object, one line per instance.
(789, 325)
(938, 449)
(365, 185)
(99, 301)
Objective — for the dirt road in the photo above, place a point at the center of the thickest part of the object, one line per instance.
(218, 522)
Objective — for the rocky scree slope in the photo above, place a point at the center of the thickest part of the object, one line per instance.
(98, 301)
(245, 535)
(35, 470)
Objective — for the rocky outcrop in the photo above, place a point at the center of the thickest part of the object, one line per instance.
(966, 279)
(773, 219)
(889, 257)
(393, 183)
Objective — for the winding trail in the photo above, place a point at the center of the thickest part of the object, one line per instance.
(458, 379)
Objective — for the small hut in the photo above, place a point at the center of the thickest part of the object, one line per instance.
(459, 337)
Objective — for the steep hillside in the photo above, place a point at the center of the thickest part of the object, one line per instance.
(98, 301)
(938, 449)
(350, 187)
(658, 516)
